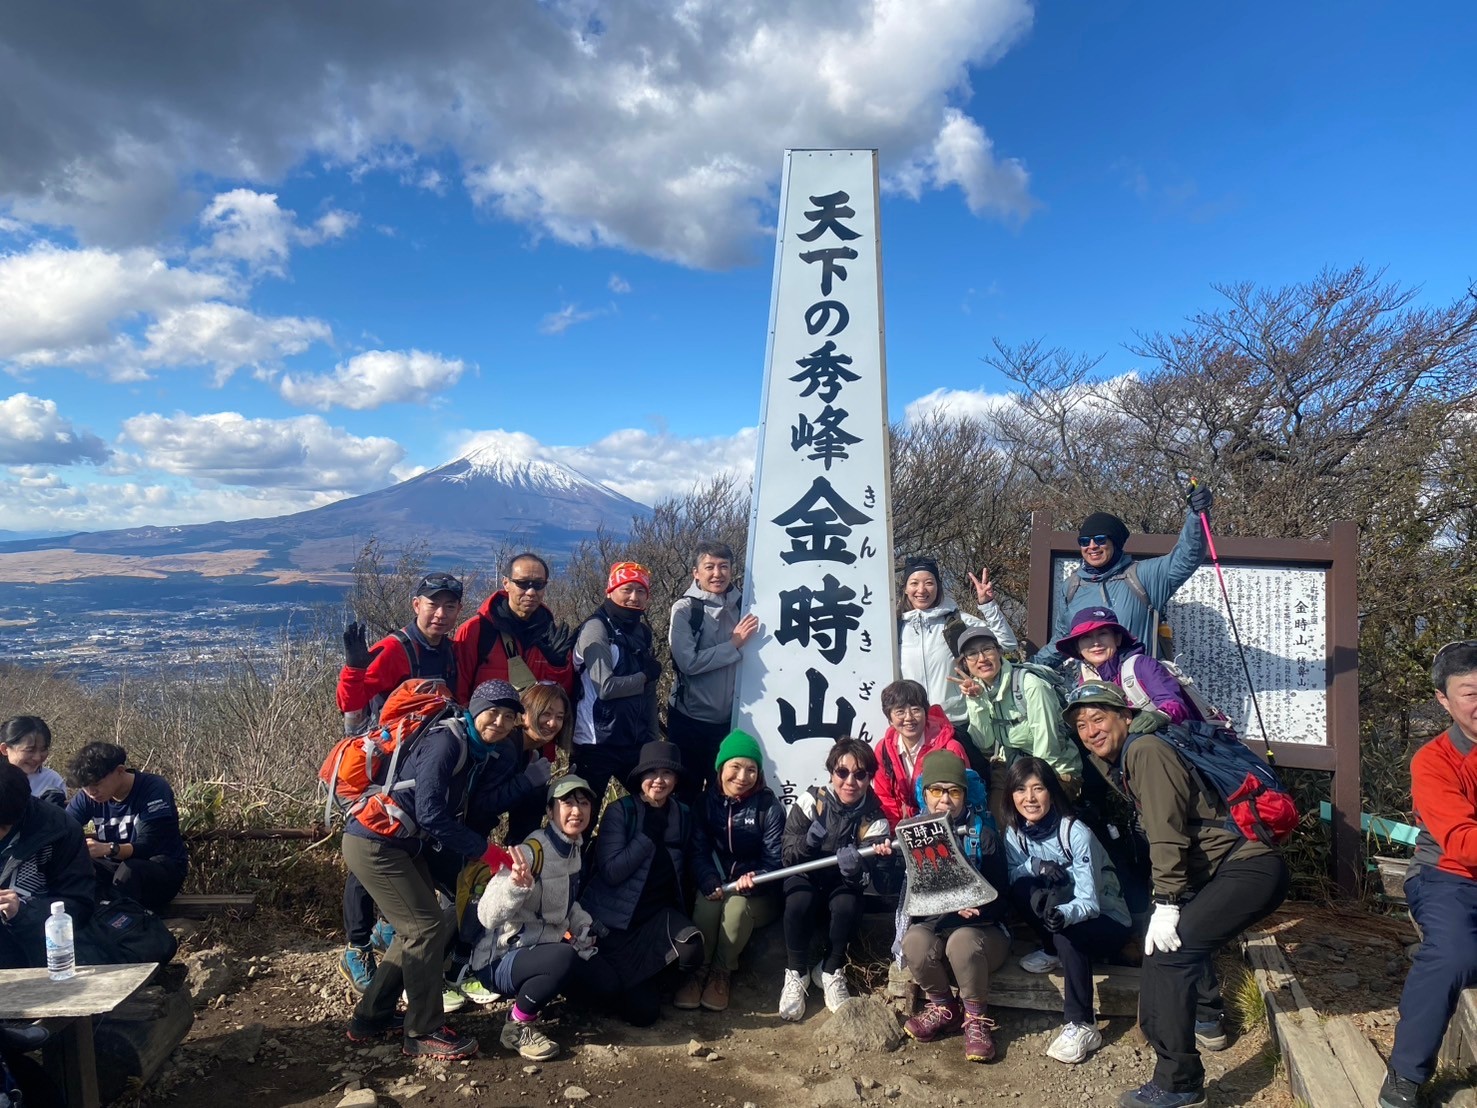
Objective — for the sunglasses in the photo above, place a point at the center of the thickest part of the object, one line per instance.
(1088, 540)
(844, 774)
(439, 582)
(934, 792)
(1085, 692)
(529, 585)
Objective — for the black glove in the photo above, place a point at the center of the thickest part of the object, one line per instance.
(1051, 874)
(538, 771)
(849, 862)
(1040, 901)
(654, 822)
(815, 834)
(652, 669)
(1199, 499)
(1054, 920)
(357, 654)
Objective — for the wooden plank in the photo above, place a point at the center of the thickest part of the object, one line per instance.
(1116, 989)
(1459, 1048)
(1362, 1063)
(203, 906)
(1314, 1071)
(30, 994)
(70, 1062)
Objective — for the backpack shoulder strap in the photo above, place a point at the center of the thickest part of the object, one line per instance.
(1133, 688)
(1131, 579)
(1064, 837)
(407, 644)
(1018, 687)
(486, 639)
(537, 865)
(1073, 584)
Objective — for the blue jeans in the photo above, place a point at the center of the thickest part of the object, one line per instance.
(1445, 907)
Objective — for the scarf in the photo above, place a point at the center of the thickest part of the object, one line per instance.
(1042, 830)
(627, 619)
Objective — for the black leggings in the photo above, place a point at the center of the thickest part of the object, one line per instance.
(538, 974)
(804, 898)
(542, 972)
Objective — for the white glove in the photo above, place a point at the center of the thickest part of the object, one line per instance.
(1163, 933)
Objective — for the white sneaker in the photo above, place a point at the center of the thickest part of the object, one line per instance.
(1074, 1043)
(792, 995)
(1038, 961)
(834, 986)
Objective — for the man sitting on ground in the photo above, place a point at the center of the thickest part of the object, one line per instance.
(43, 859)
(1442, 886)
(135, 846)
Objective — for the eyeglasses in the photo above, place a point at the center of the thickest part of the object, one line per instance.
(531, 585)
(1088, 540)
(908, 712)
(935, 792)
(980, 651)
(844, 774)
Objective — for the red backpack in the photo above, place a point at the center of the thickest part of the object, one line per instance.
(360, 773)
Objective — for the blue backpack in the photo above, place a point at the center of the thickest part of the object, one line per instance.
(1257, 805)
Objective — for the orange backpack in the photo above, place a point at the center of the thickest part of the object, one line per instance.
(360, 773)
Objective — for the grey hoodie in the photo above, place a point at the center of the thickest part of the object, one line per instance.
(706, 663)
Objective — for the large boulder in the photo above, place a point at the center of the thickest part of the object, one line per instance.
(210, 973)
(862, 1025)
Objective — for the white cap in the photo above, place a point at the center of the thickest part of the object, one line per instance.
(58, 908)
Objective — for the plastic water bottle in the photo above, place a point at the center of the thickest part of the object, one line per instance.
(61, 954)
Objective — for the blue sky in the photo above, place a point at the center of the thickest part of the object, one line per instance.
(247, 269)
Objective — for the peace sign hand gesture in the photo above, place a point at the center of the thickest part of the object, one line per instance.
(984, 592)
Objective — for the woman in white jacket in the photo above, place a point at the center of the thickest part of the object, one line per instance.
(924, 653)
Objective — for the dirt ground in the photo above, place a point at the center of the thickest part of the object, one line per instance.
(748, 1056)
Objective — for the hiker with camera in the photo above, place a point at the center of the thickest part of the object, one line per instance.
(1216, 868)
(707, 637)
(1441, 888)
(1065, 886)
(1015, 709)
(1138, 589)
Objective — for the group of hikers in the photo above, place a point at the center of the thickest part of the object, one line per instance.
(1070, 783)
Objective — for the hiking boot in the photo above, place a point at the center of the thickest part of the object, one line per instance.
(362, 1031)
(792, 995)
(357, 967)
(936, 1019)
(470, 986)
(1211, 1035)
(1150, 1095)
(689, 994)
(715, 992)
(381, 936)
(444, 1045)
(979, 1037)
(528, 1041)
(1397, 1091)
(1038, 961)
(1074, 1043)
(834, 986)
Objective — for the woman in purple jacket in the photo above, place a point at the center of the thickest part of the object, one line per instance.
(1105, 649)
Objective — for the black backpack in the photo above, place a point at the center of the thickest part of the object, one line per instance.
(123, 931)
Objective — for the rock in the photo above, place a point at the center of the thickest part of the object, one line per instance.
(868, 1083)
(574, 1092)
(695, 1049)
(862, 1025)
(838, 1090)
(408, 1091)
(713, 1056)
(359, 1098)
(182, 929)
(241, 1046)
(529, 1071)
(1346, 980)
(209, 974)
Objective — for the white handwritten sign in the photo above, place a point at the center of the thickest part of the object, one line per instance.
(819, 570)
(1282, 615)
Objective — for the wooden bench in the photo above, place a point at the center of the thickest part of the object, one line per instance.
(203, 906)
(68, 1008)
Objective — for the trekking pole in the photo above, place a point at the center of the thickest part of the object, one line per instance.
(1236, 634)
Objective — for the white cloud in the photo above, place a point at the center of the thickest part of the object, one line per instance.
(34, 432)
(374, 379)
(227, 338)
(226, 448)
(639, 123)
(556, 323)
(618, 284)
(973, 404)
(252, 228)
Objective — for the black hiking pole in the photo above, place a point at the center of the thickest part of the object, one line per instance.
(1235, 634)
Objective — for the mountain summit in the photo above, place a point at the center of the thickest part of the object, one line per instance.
(498, 493)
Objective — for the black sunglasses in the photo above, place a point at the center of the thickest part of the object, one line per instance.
(1088, 540)
(530, 585)
(438, 582)
(844, 774)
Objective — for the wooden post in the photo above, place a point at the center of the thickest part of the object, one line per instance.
(70, 1062)
(1343, 705)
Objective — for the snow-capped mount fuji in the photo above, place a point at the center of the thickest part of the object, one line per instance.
(497, 494)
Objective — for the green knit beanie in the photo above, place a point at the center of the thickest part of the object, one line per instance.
(942, 767)
(739, 744)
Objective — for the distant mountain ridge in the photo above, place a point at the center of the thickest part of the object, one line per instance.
(462, 510)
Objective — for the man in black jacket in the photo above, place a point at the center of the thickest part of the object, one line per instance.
(43, 858)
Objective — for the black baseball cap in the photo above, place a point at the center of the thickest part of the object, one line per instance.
(432, 583)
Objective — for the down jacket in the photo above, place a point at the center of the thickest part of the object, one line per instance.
(623, 856)
(746, 834)
(45, 859)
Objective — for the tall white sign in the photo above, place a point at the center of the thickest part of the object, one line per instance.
(819, 572)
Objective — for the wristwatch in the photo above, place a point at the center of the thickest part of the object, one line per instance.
(113, 849)
(1165, 899)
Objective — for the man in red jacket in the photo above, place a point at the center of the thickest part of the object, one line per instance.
(513, 636)
(422, 648)
(1442, 887)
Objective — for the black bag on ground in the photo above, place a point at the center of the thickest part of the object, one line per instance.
(121, 931)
